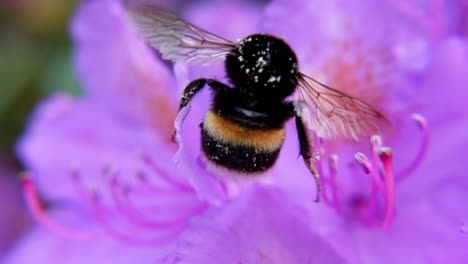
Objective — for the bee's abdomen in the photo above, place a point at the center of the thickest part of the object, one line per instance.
(241, 149)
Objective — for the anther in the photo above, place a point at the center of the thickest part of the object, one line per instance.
(363, 162)
(376, 140)
(369, 169)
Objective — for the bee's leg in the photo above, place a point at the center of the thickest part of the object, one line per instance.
(189, 92)
(306, 153)
(217, 85)
(193, 88)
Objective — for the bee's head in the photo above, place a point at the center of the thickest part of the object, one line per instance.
(263, 65)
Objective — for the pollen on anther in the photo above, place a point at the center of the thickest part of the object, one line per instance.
(385, 152)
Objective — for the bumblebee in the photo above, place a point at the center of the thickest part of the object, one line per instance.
(244, 129)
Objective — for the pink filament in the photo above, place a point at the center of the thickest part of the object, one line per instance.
(42, 218)
(376, 186)
(101, 213)
(125, 206)
(124, 222)
(148, 187)
(422, 125)
(369, 169)
(380, 184)
(163, 175)
(129, 216)
(387, 161)
(332, 167)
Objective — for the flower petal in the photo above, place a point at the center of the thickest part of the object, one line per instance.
(116, 67)
(67, 134)
(262, 226)
(42, 246)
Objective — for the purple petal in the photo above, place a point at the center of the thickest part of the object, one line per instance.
(42, 246)
(14, 218)
(66, 136)
(445, 82)
(434, 190)
(97, 151)
(260, 227)
(423, 232)
(117, 68)
(243, 18)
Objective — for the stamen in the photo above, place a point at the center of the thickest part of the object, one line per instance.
(370, 209)
(92, 198)
(147, 187)
(369, 169)
(376, 143)
(422, 125)
(42, 218)
(384, 185)
(331, 181)
(367, 210)
(386, 157)
(100, 213)
(125, 206)
(164, 176)
(123, 219)
(126, 215)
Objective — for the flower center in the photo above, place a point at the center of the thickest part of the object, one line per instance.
(376, 208)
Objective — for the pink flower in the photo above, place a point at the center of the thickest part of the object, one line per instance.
(105, 159)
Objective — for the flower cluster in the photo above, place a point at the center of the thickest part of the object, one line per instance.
(105, 160)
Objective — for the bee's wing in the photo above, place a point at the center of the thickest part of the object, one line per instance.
(332, 113)
(176, 39)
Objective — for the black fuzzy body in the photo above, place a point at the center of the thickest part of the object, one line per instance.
(240, 158)
(263, 72)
